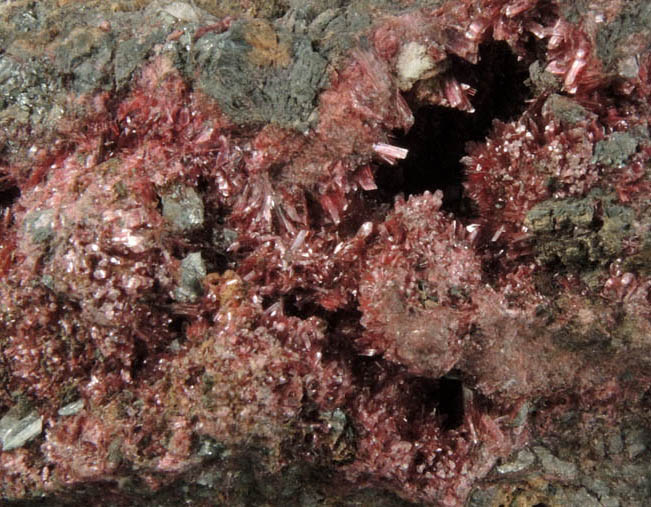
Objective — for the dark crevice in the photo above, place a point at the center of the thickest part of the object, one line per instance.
(301, 304)
(437, 141)
(451, 402)
(214, 239)
(8, 195)
(441, 399)
(645, 401)
(140, 354)
(177, 326)
(424, 398)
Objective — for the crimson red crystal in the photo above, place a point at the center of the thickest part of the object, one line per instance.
(291, 303)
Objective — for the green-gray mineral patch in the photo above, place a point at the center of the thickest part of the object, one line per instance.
(249, 92)
(579, 233)
(40, 225)
(341, 439)
(540, 80)
(565, 109)
(130, 54)
(615, 150)
(334, 30)
(85, 56)
(614, 39)
(193, 271)
(183, 207)
(27, 90)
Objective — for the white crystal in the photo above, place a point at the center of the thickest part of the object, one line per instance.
(15, 433)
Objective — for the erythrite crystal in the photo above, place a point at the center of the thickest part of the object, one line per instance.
(417, 290)
(228, 266)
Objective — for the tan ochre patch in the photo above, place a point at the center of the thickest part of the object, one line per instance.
(266, 48)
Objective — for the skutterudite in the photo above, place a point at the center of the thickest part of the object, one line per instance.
(325, 253)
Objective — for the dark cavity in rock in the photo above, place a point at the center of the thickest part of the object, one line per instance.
(437, 141)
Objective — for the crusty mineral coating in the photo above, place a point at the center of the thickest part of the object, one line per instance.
(198, 251)
(419, 317)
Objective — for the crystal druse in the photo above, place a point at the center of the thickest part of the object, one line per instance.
(325, 252)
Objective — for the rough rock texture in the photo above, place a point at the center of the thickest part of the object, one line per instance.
(325, 252)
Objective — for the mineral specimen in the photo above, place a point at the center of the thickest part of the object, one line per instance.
(325, 252)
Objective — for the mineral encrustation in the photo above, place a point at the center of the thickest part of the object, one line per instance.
(325, 252)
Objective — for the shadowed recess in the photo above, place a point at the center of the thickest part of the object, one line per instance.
(441, 398)
(8, 195)
(438, 138)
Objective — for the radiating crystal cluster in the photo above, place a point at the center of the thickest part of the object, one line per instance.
(183, 279)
